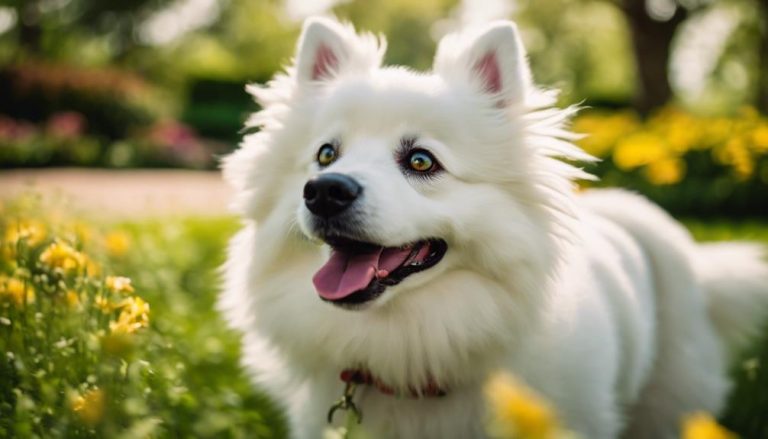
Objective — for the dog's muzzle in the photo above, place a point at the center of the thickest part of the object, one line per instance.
(327, 195)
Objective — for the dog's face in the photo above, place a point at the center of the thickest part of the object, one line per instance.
(381, 189)
(410, 175)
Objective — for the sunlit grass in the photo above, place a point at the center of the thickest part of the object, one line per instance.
(749, 399)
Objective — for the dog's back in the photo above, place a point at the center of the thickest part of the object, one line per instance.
(709, 300)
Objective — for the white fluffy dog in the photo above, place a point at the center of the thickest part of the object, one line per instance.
(412, 232)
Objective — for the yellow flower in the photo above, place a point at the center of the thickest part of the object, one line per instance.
(119, 284)
(603, 131)
(638, 150)
(91, 268)
(82, 231)
(702, 426)
(134, 315)
(63, 256)
(89, 406)
(716, 131)
(105, 305)
(677, 127)
(16, 290)
(760, 138)
(117, 243)
(517, 412)
(665, 171)
(735, 154)
(72, 299)
(30, 231)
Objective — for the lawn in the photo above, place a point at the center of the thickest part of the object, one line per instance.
(179, 375)
(749, 400)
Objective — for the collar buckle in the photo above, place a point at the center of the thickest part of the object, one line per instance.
(346, 403)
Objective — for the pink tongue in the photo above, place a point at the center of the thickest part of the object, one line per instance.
(344, 274)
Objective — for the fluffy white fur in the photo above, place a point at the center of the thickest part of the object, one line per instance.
(599, 301)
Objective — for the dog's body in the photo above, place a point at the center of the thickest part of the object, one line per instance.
(484, 260)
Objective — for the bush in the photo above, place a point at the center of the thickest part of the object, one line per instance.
(114, 102)
(689, 164)
(218, 108)
(62, 141)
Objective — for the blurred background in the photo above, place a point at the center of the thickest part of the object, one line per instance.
(676, 91)
(108, 326)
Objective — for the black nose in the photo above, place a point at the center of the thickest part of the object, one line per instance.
(329, 194)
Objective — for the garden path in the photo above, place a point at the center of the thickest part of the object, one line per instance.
(123, 193)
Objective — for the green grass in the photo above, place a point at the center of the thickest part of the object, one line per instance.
(748, 403)
(177, 377)
(720, 229)
(182, 376)
(176, 264)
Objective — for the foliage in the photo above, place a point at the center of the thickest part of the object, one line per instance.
(407, 26)
(581, 46)
(63, 140)
(687, 163)
(90, 354)
(218, 108)
(585, 53)
(745, 412)
(115, 102)
(47, 28)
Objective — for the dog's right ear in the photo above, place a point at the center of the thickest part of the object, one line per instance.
(328, 49)
(492, 59)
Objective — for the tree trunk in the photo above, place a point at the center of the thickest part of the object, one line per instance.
(652, 43)
(762, 72)
(30, 30)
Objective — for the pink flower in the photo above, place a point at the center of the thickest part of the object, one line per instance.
(7, 127)
(12, 129)
(68, 124)
(173, 133)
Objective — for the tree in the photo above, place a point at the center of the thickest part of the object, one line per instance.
(652, 42)
(42, 26)
(762, 76)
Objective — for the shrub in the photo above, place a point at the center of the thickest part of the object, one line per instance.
(689, 164)
(62, 140)
(114, 102)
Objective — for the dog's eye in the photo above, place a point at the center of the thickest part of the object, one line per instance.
(421, 161)
(326, 155)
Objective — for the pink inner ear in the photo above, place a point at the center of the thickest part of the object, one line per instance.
(488, 69)
(325, 62)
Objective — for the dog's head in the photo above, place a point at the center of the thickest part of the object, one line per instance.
(382, 188)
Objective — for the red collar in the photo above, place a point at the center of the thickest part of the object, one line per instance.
(362, 376)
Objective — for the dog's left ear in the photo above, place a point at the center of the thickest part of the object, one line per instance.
(492, 60)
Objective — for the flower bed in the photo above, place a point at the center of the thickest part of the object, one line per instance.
(113, 333)
(63, 140)
(689, 164)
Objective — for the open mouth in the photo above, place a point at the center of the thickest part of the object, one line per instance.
(359, 272)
